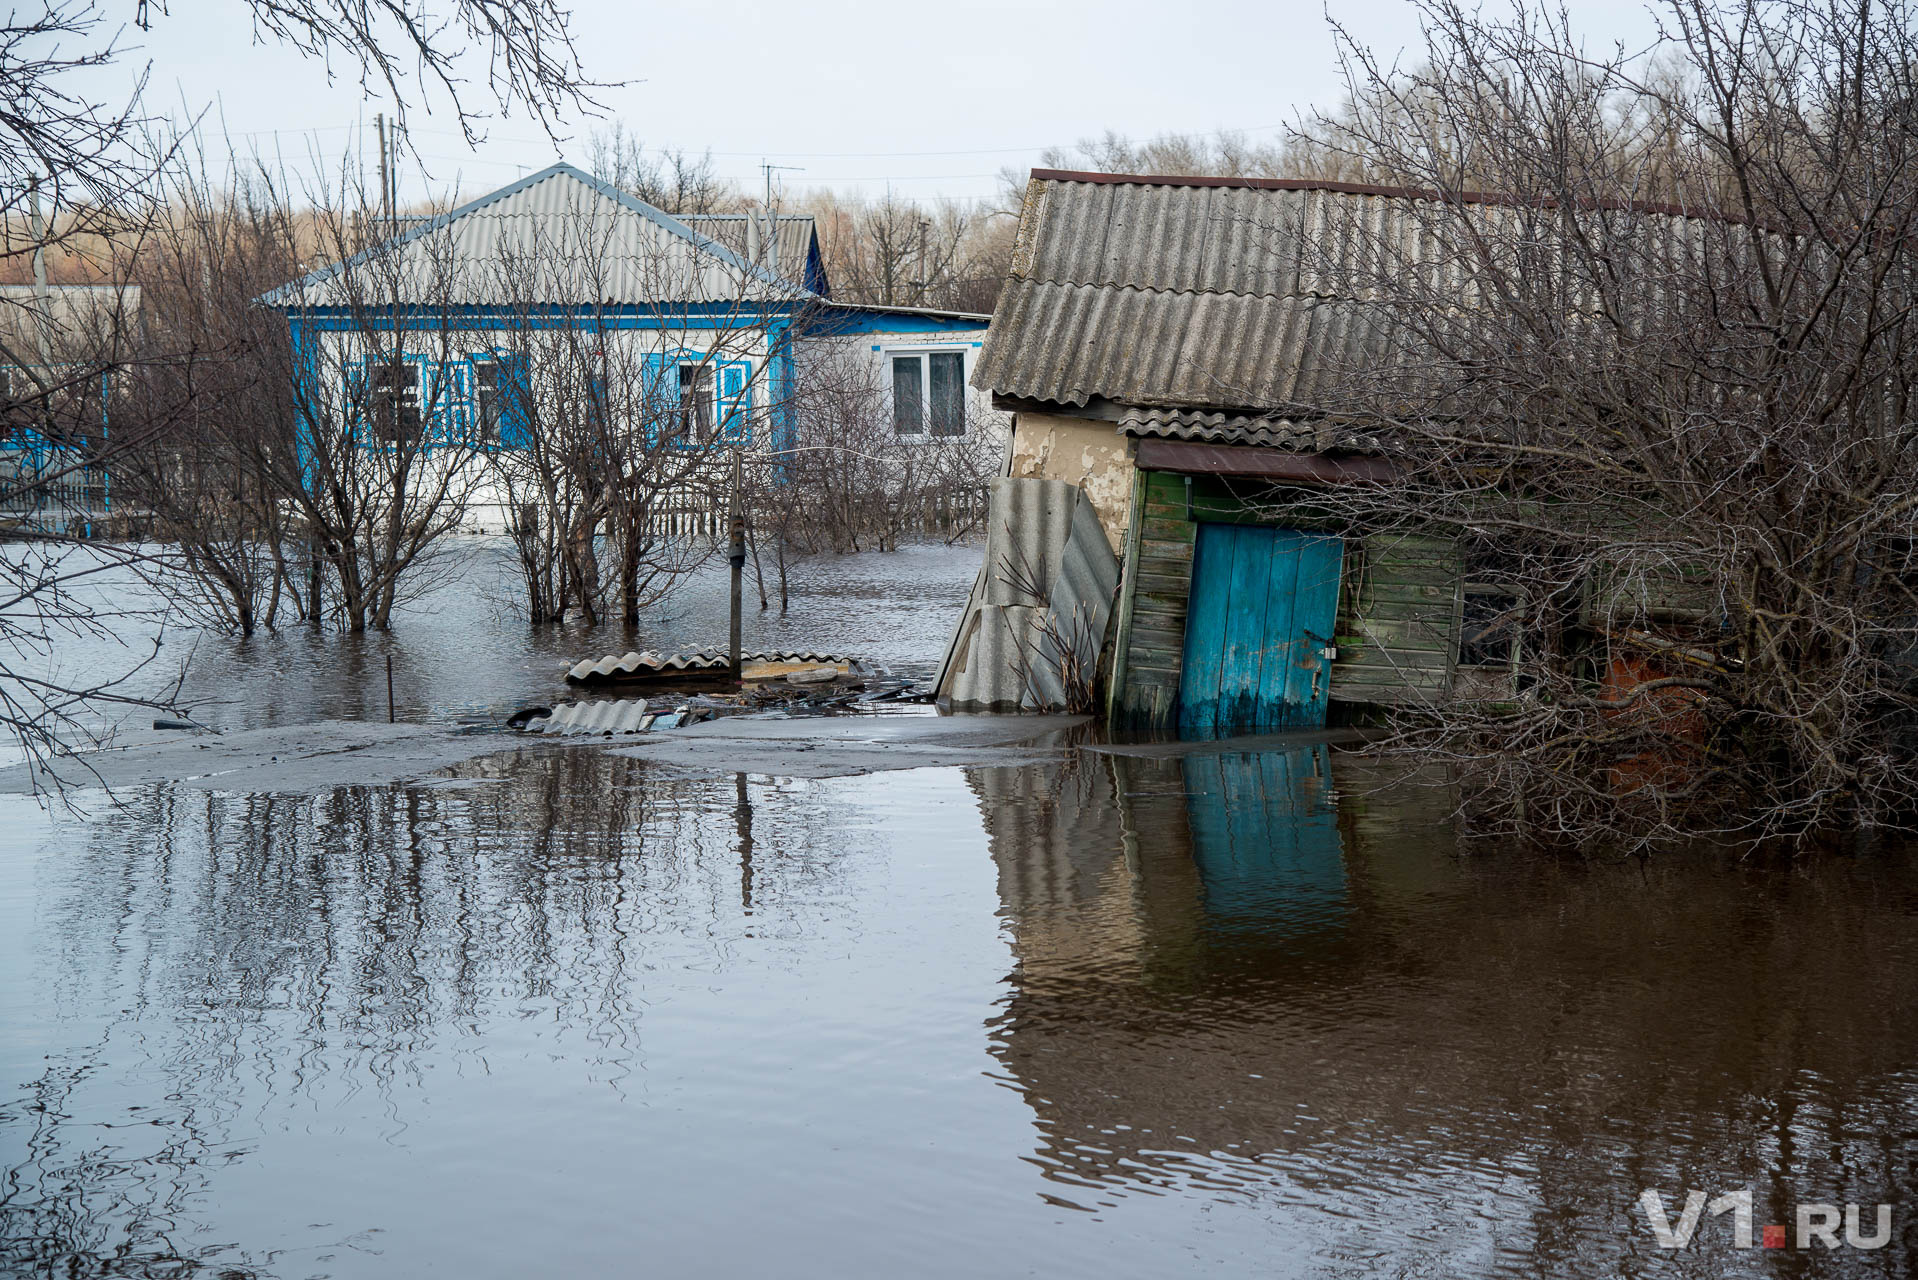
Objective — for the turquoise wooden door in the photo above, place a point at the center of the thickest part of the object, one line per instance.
(1258, 623)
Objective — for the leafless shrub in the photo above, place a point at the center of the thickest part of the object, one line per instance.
(1057, 658)
(617, 465)
(1661, 383)
(849, 480)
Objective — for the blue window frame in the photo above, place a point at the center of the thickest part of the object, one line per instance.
(497, 400)
(698, 400)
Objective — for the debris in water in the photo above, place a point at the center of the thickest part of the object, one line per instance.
(574, 719)
(637, 667)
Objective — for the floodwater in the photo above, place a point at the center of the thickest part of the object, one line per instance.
(462, 651)
(1236, 1014)
(1240, 1014)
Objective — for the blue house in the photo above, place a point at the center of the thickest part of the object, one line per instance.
(559, 297)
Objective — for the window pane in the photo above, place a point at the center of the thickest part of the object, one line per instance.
(486, 395)
(908, 411)
(696, 403)
(948, 393)
(1491, 628)
(396, 399)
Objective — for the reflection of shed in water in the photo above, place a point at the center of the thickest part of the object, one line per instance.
(1225, 987)
(1136, 859)
(1265, 839)
(1173, 921)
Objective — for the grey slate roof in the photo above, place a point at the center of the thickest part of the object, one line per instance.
(556, 236)
(1188, 293)
(1220, 428)
(744, 233)
(1300, 435)
(1251, 297)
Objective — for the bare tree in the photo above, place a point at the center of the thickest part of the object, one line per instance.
(1658, 388)
(96, 165)
(674, 180)
(610, 446)
(898, 252)
(207, 403)
(856, 475)
(1228, 154)
(378, 469)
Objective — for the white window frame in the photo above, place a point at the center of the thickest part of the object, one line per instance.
(920, 351)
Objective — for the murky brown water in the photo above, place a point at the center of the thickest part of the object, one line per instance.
(1232, 1015)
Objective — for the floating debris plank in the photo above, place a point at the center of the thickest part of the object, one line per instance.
(787, 666)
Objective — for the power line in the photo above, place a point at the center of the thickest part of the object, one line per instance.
(784, 155)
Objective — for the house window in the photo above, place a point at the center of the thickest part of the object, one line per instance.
(695, 403)
(488, 402)
(1494, 617)
(395, 394)
(929, 393)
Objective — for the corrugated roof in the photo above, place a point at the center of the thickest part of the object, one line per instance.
(1216, 294)
(649, 664)
(1071, 342)
(1224, 428)
(1270, 431)
(557, 236)
(573, 719)
(785, 255)
(1207, 297)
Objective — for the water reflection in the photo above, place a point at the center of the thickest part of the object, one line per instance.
(329, 955)
(1424, 1060)
(1237, 1012)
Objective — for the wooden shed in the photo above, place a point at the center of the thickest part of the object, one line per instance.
(1171, 346)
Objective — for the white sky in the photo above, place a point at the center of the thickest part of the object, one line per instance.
(931, 99)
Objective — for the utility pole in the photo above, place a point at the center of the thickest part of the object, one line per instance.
(736, 553)
(42, 300)
(925, 277)
(772, 219)
(386, 182)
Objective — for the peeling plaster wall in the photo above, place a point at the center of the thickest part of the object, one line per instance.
(1092, 455)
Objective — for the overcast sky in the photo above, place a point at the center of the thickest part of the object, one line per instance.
(932, 99)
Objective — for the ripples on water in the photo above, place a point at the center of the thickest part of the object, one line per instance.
(1235, 1015)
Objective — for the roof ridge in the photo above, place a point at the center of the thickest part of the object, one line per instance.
(1336, 187)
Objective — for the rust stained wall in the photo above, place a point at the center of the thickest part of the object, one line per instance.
(1092, 455)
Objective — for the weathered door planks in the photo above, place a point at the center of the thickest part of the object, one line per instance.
(1262, 611)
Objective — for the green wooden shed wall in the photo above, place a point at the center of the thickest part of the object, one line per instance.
(1401, 598)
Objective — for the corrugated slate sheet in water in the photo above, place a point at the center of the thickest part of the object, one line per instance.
(616, 666)
(573, 719)
(1041, 534)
